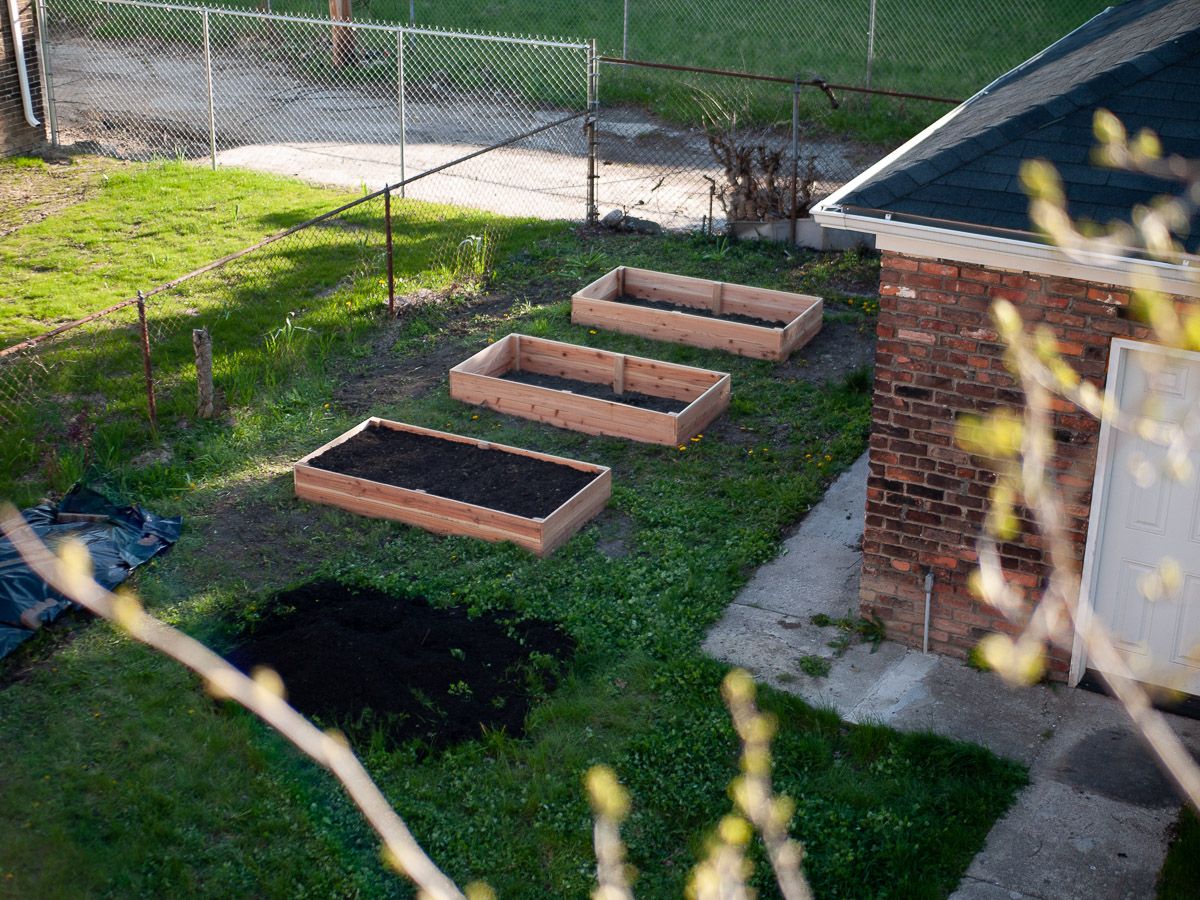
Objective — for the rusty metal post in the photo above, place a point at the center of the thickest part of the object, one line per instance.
(151, 407)
(387, 231)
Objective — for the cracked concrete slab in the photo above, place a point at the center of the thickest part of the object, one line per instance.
(1093, 821)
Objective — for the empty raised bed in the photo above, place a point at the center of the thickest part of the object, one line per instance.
(749, 321)
(589, 390)
(450, 484)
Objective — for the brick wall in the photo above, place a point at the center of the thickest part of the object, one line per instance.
(937, 358)
(16, 136)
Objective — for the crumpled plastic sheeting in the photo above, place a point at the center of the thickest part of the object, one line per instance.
(118, 539)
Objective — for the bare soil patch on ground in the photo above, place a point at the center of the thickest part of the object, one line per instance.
(32, 192)
(370, 663)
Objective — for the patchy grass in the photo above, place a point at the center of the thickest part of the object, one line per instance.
(1181, 871)
(122, 777)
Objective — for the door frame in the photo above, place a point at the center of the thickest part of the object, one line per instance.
(1120, 351)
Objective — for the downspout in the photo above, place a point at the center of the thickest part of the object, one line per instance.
(928, 595)
(18, 40)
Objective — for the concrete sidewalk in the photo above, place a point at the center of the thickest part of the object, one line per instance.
(1092, 823)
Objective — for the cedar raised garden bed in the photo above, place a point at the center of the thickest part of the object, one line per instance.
(593, 391)
(749, 321)
(450, 484)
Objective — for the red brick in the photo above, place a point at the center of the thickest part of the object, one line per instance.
(926, 497)
(937, 268)
(898, 263)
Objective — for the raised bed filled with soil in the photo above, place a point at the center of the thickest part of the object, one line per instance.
(593, 391)
(450, 484)
(749, 321)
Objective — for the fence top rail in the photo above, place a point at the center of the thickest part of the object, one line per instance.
(396, 28)
(821, 83)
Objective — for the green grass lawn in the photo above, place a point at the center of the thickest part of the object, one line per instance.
(144, 225)
(122, 778)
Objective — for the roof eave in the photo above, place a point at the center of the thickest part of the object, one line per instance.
(994, 251)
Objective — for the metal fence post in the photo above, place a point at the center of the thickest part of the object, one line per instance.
(412, 11)
(625, 32)
(151, 407)
(593, 77)
(387, 232)
(400, 102)
(871, 43)
(795, 155)
(212, 117)
(51, 107)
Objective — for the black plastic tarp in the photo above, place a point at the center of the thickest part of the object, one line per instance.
(118, 539)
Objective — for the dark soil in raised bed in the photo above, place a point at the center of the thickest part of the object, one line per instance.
(600, 391)
(700, 311)
(499, 480)
(376, 666)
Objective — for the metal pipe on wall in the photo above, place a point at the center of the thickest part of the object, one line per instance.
(18, 40)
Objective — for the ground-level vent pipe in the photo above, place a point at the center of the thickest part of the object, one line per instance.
(18, 39)
(928, 596)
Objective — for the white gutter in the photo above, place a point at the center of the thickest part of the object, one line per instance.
(1015, 255)
(14, 16)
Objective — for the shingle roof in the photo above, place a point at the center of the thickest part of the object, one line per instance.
(1141, 60)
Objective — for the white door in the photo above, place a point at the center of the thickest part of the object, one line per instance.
(1140, 517)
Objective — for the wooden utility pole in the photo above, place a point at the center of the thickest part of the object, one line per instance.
(343, 38)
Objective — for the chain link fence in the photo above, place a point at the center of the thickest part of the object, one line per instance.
(700, 149)
(347, 104)
(920, 46)
(370, 105)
